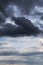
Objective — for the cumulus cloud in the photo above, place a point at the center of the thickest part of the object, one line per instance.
(18, 26)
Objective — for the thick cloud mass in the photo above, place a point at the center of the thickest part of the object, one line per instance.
(27, 25)
(17, 9)
(24, 27)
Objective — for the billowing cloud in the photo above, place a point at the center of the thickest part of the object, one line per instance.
(18, 26)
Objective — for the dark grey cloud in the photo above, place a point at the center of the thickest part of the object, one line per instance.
(41, 17)
(9, 29)
(39, 2)
(2, 18)
(24, 26)
(5, 53)
(27, 25)
(24, 5)
(16, 53)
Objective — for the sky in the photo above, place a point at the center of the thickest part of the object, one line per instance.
(14, 16)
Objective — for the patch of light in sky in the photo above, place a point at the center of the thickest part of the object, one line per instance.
(39, 9)
(8, 20)
(17, 12)
(23, 44)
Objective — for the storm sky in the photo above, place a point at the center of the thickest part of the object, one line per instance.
(21, 17)
(29, 9)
